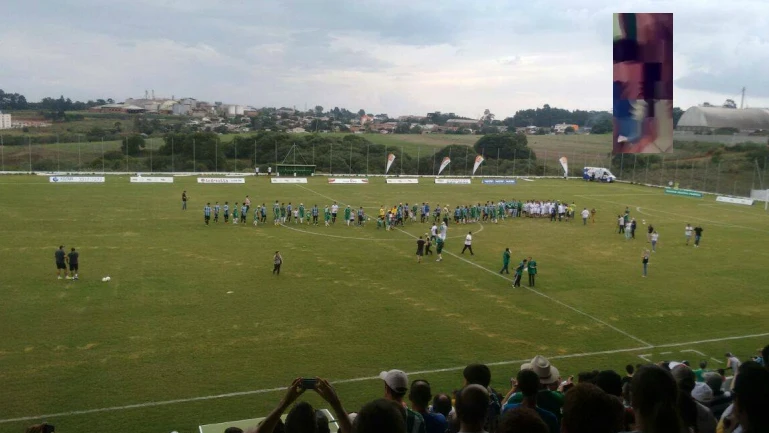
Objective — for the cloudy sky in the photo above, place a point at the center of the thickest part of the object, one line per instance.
(393, 56)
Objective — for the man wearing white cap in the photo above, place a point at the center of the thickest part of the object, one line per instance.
(396, 385)
(548, 397)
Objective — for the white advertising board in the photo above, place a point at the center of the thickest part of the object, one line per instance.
(288, 180)
(735, 200)
(347, 181)
(453, 181)
(76, 179)
(221, 180)
(410, 181)
(151, 179)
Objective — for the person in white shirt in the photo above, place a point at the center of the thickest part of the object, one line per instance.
(688, 232)
(433, 232)
(334, 211)
(585, 216)
(468, 243)
(443, 230)
(655, 238)
(628, 230)
(621, 222)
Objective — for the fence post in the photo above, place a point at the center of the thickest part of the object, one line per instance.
(434, 150)
(2, 154)
(544, 164)
(102, 155)
(80, 164)
(150, 157)
(621, 164)
(646, 172)
(29, 146)
(515, 153)
(635, 160)
(691, 183)
(718, 177)
(662, 169)
(705, 177)
(419, 148)
(368, 145)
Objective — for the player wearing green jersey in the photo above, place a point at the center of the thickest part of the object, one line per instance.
(347, 212)
(327, 215)
(235, 217)
(282, 213)
(439, 248)
(301, 213)
(276, 213)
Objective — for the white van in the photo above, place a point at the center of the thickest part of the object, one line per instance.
(598, 174)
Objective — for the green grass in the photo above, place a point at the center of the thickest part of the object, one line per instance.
(350, 301)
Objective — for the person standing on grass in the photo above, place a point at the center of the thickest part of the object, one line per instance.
(301, 213)
(276, 213)
(585, 216)
(72, 258)
(277, 260)
(296, 215)
(532, 271)
(434, 232)
(420, 249)
(655, 237)
(334, 211)
(217, 208)
(207, 213)
(468, 243)
(592, 215)
(697, 236)
(247, 203)
(226, 212)
(327, 215)
(362, 215)
(645, 260)
(184, 200)
(428, 245)
(439, 248)
(235, 217)
(443, 231)
(621, 223)
(628, 230)
(315, 214)
(61, 264)
(243, 213)
(347, 212)
(505, 261)
(256, 215)
(289, 210)
(633, 225)
(519, 273)
(263, 212)
(649, 232)
(282, 213)
(688, 233)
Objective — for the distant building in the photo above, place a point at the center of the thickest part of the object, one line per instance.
(705, 119)
(5, 121)
(462, 123)
(366, 119)
(119, 108)
(562, 127)
(297, 130)
(234, 110)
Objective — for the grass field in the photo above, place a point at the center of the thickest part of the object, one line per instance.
(163, 345)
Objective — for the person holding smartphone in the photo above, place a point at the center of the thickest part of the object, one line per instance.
(645, 261)
(277, 261)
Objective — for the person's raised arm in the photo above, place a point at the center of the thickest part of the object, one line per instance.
(292, 393)
(326, 391)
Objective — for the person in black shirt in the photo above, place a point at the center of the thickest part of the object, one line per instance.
(649, 233)
(72, 258)
(420, 249)
(428, 245)
(59, 255)
(184, 200)
(697, 236)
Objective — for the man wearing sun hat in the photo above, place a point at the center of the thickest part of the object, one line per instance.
(396, 385)
(548, 397)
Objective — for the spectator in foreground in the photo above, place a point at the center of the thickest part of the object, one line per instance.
(301, 418)
(420, 395)
(396, 385)
(548, 397)
(522, 420)
(749, 412)
(588, 409)
(480, 374)
(442, 405)
(380, 416)
(472, 407)
(629, 369)
(734, 363)
(528, 384)
(233, 430)
(695, 416)
(654, 395)
(322, 421)
(721, 400)
(700, 372)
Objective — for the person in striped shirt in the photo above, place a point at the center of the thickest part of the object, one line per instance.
(243, 213)
(217, 208)
(207, 213)
(226, 212)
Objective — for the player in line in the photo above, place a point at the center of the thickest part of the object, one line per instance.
(235, 217)
(217, 209)
(207, 213)
(420, 249)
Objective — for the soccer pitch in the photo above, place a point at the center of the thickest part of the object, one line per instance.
(164, 346)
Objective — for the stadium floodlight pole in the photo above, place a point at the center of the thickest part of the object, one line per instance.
(718, 176)
(675, 175)
(2, 154)
(173, 167)
(79, 164)
(350, 157)
(515, 153)
(419, 148)
(449, 160)
(255, 153)
(29, 146)
(125, 140)
(467, 155)
(434, 150)
(635, 160)
(646, 175)
(236, 154)
(216, 155)
(368, 145)
(705, 177)
(330, 156)
(150, 156)
(58, 152)
(544, 164)
(401, 160)
(102, 156)
(276, 156)
(621, 164)
(692, 181)
(497, 161)
(194, 163)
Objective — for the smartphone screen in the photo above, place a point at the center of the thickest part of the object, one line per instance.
(309, 383)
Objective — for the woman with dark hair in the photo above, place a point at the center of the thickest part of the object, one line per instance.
(751, 400)
(654, 397)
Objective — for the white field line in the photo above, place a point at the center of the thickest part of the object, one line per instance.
(645, 357)
(358, 379)
(694, 351)
(576, 310)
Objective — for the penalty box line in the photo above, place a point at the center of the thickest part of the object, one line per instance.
(561, 303)
(358, 379)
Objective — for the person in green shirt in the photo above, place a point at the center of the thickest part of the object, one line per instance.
(282, 213)
(327, 215)
(519, 273)
(532, 271)
(700, 373)
(347, 212)
(414, 213)
(505, 261)
(235, 218)
(301, 213)
(276, 213)
(439, 248)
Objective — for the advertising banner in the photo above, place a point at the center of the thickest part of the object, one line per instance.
(390, 159)
(76, 179)
(444, 181)
(683, 192)
(478, 161)
(409, 181)
(288, 180)
(347, 181)
(446, 161)
(221, 180)
(151, 179)
(734, 200)
(565, 164)
(499, 181)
